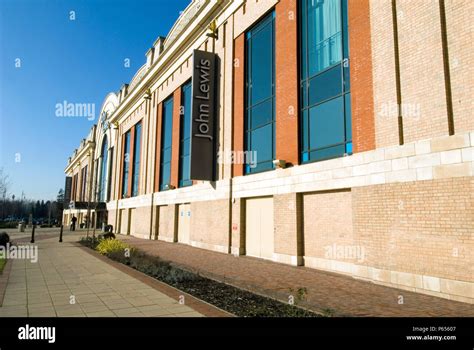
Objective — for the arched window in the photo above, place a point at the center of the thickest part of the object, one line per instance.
(103, 170)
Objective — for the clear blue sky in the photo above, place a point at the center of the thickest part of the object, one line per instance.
(79, 61)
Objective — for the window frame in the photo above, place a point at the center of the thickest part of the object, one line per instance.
(305, 78)
(168, 100)
(126, 164)
(267, 20)
(103, 164)
(185, 182)
(137, 143)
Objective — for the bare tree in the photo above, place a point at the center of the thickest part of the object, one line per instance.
(4, 185)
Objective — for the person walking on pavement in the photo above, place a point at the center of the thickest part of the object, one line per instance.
(73, 223)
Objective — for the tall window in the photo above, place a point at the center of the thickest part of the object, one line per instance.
(260, 96)
(126, 164)
(109, 173)
(75, 181)
(83, 183)
(136, 158)
(103, 170)
(166, 137)
(326, 130)
(185, 137)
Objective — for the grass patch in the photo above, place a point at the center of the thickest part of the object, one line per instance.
(3, 261)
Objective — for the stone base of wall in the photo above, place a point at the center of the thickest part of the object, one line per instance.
(213, 247)
(288, 259)
(166, 239)
(439, 287)
(141, 235)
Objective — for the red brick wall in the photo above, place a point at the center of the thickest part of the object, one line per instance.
(239, 98)
(363, 123)
(175, 137)
(286, 61)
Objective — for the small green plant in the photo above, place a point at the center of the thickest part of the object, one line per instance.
(90, 242)
(327, 312)
(3, 261)
(111, 246)
(299, 294)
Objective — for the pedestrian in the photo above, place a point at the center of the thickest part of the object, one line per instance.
(73, 223)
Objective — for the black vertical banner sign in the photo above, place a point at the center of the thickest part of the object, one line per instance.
(203, 118)
(67, 190)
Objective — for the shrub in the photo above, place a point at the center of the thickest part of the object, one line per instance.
(3, 261)
(4, 239)
(12, 224)
(111, 246)
(90, 242)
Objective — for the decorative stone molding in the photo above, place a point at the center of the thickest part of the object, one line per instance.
(138, 77)
(184, 20)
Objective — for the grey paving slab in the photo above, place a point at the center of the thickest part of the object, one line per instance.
(66, 281)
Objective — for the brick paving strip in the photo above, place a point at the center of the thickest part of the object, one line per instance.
(44, 289)
(343, 295)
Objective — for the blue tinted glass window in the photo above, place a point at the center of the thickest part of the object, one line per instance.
(326, 124)
(186, 147)
(260, 96)
(261, 140)
(185, 137)
(324, 33)
(166, 139)
(136, 158)
(261, 69)
(103, 170)
(348, 120)
(109, 174)
(325, 85)
(261, 114)
(325, 118)
(126, 164)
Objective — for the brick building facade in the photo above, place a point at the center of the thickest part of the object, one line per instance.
(365, 151)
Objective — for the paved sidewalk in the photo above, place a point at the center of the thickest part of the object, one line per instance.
(66, 273)
(326, 291)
